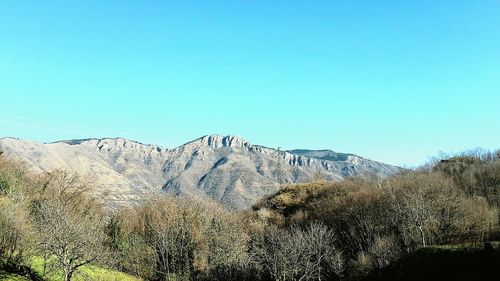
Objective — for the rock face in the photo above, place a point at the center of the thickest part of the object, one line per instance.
(227, 169)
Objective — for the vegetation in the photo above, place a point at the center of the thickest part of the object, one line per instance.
(7, 276)
(403, 227)
(68, 223)
(87, 272)
(455, 262)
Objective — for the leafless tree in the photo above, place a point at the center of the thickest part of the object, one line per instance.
(191, 238)
(68, 224)
(319, 242)
(298, 254)
(276, 252)
(383, 251)
(169, 232)
(337, 263)
(227, 242)
(15, 230)
(418, 210)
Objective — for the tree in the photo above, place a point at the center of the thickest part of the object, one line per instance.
(322, 253)
(337, 263)
(383, 251)
(418, 210)
(227, 243)
(169, 230)
(275, 251)
(69, 223)
(298, 254)
(14, 222)
(14, 230)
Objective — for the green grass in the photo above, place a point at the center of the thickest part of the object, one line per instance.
(6, 276)
(85, 273)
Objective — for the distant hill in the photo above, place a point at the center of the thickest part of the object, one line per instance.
(227, 169)
(324, 154)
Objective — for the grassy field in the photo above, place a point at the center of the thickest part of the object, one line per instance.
(86, 273)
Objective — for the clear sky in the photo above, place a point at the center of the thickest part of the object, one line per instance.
(395, 81)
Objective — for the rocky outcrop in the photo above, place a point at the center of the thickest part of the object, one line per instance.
(226, 168)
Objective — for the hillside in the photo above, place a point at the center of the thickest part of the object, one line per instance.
(227, 169)
(404, 227)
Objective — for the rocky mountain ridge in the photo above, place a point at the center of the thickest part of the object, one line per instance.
(227, 169)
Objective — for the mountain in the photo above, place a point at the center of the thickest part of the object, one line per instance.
(324, 154)
(227, 169)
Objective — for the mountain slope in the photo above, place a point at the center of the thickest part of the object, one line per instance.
(226, 168)
(123, 170)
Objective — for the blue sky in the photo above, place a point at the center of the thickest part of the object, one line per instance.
(395, 81)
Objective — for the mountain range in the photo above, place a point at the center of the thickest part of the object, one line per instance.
(227, 169)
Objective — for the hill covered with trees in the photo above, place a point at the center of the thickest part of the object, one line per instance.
(53, 227)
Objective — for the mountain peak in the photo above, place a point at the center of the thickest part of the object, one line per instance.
(226, 168)
(217, 141)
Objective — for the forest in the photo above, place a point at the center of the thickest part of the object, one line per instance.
(53, 228)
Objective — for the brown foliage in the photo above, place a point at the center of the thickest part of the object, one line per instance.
(184, 237)
(68, 222)
(375, 222)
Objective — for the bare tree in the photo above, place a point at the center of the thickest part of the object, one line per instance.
(227, 242)
(277, 251)
(322, 253)
(418, 210)
(337, 263)
(68, 224)
(383, 251)
(15, 230)
(298, 254)
(169, 231)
